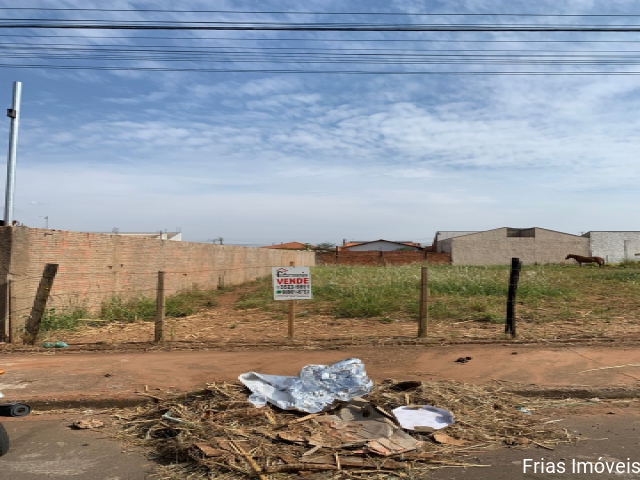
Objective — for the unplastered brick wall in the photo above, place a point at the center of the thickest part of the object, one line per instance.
(381, 258)
(95, 267)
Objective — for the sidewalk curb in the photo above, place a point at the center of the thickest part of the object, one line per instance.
(44, 404)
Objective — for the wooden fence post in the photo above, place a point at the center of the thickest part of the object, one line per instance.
(337, 256)
(160, 310)
(10, 313)
(39, 304)
(510, 325)
(4, 318)
(292, 310)
(424, 303)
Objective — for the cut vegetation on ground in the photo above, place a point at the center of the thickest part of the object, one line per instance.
(217, 433)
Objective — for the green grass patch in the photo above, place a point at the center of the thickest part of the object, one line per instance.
(62, 319)
(460, 293)
(181, 304)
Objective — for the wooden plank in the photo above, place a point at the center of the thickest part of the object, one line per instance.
(39, 304)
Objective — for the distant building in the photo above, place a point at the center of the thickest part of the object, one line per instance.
(291, 246)
(440, 236)
(499, 246)
(380, 246)
(173, 236)
(614, 247)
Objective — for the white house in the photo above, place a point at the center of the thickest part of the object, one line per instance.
(614, 247)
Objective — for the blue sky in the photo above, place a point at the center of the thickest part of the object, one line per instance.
(262, 158)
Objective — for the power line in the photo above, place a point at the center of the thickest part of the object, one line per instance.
(359, 40)
(315, 27)
(300, 71)
(144, 48)
(289, 12)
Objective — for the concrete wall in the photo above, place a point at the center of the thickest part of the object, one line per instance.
(494, 247)
(94, 267)
(378, 246)
(615, 247)
(441, 236)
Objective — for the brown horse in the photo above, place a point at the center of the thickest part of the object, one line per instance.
(580, 259)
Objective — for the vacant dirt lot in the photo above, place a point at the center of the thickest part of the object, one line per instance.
(226, 325)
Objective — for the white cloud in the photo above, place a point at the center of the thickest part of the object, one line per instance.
(323, 157)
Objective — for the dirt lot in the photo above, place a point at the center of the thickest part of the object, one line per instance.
(226, 325)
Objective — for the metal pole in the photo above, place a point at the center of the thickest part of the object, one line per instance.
(14, 114)
(292, 311)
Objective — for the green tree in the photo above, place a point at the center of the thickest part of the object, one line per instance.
(326, 246)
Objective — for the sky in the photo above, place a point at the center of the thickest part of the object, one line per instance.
(262, 158)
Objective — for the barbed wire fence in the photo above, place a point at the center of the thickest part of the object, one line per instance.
(89, 291)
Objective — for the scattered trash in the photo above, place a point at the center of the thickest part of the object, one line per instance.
(88, 424)
(410, 417)
(54, 345)
(168, 416)
(463, 359)
(406, 386)
(523, 410)
(315, 388)
(358, 424)
(445, 439)
(219, 434)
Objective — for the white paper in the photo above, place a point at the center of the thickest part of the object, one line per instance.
(425, 416)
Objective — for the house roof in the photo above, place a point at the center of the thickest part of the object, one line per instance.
(291, 246)
(609, 231)
(530, 228)
(404, 244)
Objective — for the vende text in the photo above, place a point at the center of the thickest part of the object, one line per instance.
(294, 281)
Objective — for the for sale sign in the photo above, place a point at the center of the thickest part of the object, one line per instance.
(291, 283)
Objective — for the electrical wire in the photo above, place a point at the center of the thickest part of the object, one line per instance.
(301, 71)
(289, 12)
(323, 40)
(309, 27)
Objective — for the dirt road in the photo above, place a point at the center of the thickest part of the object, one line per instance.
(97, 376)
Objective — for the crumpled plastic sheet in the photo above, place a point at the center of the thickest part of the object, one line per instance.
(313, 390)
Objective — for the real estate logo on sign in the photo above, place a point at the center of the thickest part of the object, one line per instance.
(291, 283)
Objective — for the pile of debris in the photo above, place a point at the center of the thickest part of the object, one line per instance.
(218, 433)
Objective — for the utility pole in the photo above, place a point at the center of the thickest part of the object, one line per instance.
(14, 114)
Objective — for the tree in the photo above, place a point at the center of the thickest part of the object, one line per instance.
(326, 246)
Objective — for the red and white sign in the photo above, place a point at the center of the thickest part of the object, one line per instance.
(291, 283)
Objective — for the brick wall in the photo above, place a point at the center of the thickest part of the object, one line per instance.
(94, 267)
(381, 258)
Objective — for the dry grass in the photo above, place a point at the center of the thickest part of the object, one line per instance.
(220, 421)
(596, 304)
(546, 293)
